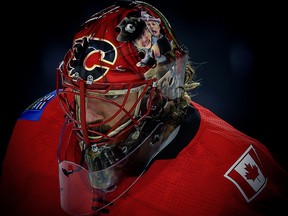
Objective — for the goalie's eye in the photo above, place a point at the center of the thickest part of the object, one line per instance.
(112, 96)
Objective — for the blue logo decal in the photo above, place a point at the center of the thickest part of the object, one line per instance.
(34, 111)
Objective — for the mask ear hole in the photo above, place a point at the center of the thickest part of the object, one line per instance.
(117, 29)
(171, 81)
(141, 54)
(149, 61)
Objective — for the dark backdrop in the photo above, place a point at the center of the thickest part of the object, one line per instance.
(236, 48)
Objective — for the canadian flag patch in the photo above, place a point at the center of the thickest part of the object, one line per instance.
(247, 175)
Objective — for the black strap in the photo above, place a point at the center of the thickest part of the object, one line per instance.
(188, 129)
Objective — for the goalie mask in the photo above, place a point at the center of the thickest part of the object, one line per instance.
(115, 84)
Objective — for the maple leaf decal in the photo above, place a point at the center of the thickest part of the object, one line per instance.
(252, 172)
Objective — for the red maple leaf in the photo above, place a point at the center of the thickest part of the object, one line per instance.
(252, 171)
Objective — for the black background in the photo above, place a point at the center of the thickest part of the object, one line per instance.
(238, 50)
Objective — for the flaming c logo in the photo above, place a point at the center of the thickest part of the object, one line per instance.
(92, 58)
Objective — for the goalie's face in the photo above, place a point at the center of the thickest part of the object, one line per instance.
(107, 112)
(99, 110)
(104, 117)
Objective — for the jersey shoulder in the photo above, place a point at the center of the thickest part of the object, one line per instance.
(36, 109)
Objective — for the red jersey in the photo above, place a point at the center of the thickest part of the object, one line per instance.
(210, 168)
